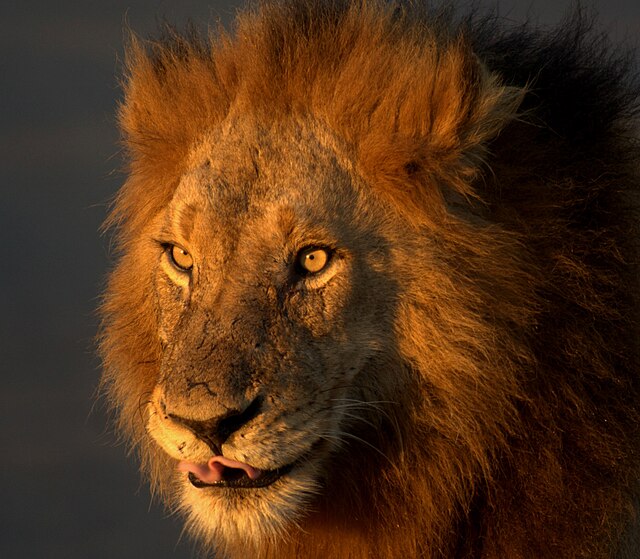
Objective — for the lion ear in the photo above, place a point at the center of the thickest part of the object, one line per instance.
(436, 128)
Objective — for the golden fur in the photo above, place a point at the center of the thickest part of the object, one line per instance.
(462, 379)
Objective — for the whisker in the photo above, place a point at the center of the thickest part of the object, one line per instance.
(345, 435)
(359, 418)
(365, 402)
(356, 404)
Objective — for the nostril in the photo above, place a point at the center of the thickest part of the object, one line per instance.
(235, 420)
(217, 430)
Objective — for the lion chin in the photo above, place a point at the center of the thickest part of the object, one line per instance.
(377, 289)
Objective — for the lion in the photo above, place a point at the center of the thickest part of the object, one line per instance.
(376, 293)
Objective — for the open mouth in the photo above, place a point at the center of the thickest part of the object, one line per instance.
(237, 478)
(220, 471)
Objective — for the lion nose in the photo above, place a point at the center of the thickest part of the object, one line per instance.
(216, 430)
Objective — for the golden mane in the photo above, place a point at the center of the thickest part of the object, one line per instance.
(402, 96)
(518, 436)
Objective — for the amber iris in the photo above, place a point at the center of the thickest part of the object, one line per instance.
(180, 258)
(313, 260)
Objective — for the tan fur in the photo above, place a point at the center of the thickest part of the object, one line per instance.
(461, 380)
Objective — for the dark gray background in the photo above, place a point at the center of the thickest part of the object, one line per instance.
(66, 489)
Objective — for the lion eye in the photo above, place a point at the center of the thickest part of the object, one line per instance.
(312, 260)
(180, 258)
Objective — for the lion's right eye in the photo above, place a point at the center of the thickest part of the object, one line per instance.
(312, 260)
(180, 258)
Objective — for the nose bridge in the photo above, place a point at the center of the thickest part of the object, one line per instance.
(210, 362)
(241, 306)
(252, 267)
(237, 290)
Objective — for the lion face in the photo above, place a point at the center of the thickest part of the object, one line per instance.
(268, 303)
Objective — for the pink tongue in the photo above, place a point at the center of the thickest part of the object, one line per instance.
(213, 470)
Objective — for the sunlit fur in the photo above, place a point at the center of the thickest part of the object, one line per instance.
(472, 363)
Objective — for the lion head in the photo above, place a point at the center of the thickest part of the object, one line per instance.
(366, 305)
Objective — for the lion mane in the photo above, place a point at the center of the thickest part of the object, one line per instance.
(460, 380)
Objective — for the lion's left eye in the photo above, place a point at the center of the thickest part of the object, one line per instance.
(312, 260)
(180, 258)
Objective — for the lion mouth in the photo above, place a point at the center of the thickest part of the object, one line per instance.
(235, 479)
(221, 472)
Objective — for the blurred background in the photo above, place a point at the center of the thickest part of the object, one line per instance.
(67, 490)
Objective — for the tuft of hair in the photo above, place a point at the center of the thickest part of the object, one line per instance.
(529, 136)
